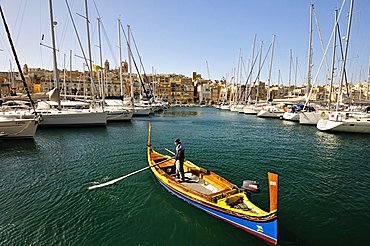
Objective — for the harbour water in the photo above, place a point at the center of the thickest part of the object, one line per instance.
(324, 192)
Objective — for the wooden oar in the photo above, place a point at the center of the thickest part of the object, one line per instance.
(126, 176)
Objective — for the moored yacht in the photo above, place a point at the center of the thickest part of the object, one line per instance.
(293, 113)
(16, 128)
(345, 122)
(271, 112)
(70, 117)
(311, 118)
(117, 111)
(253, 109)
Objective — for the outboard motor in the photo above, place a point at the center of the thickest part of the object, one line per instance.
(251, 186)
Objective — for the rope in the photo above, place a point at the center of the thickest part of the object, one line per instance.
(322, 43)
(109, 44)
(141, 62)
(259, 71)
(129, 48)
(80, 43)
(322, 60)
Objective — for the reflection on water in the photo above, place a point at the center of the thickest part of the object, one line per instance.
(288, 123)
(327, 140)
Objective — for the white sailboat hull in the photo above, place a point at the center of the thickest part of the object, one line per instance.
(119, 115)
(291, 116)
(241, 110)
(270, 114)
(310, 118)
(233, 109)
(345, 122)
(141, 111)
(73, 118)
(249, 110)
(17, 128)
(253, 109)
(351, 125)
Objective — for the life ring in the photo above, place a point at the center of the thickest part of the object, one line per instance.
(322, 114)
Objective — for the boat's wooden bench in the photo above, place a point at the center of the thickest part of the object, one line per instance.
(223, 193)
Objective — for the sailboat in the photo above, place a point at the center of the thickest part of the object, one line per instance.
(345, 121)
(115, 108)
(67, 117)
(117, 111)
(293, 114)
(14, 125)
(312, 117)
(17, 128)
(272, 111)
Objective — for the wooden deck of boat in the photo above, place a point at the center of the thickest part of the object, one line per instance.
(221, 187)
(197, 186)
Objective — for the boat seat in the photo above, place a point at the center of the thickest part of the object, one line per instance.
(159, 159)
(223, 193)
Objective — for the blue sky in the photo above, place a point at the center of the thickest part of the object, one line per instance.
(179, 36)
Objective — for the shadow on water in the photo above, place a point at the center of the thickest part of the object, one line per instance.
(119, 123)
(25, 145)
(71, 130)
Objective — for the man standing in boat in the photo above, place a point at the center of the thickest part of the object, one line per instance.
(180, 157)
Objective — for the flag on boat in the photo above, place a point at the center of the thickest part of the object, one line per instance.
(97, 68)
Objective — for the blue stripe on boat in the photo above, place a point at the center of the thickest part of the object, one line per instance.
(269, 229)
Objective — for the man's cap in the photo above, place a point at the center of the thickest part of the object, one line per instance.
(177, 140)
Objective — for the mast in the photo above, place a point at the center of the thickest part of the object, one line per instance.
(129, 62)
(84, 80)
(209, 75)
(120, 56)
(11, 74)
(259, 71)
(233, 84)
(279, 83)
(359, 84)
(345, 52)
(240, 79)
(333, 59)
(251, 73)
(89, 47)
(101, 65)
(295, 76)
(64, 77)
(56, 79)
(70, 68)
(309, 75)
(237, 78)
(368, 82)
(153, 82)
(290, 69)
(269, 79)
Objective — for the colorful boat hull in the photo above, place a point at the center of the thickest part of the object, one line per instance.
(265, 230)
(219, 203)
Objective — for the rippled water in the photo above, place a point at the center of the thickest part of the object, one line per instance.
(324, 182)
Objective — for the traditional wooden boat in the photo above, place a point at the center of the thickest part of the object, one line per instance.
(215, 195)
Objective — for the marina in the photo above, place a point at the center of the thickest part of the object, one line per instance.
(45, 196)
(273, 151)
